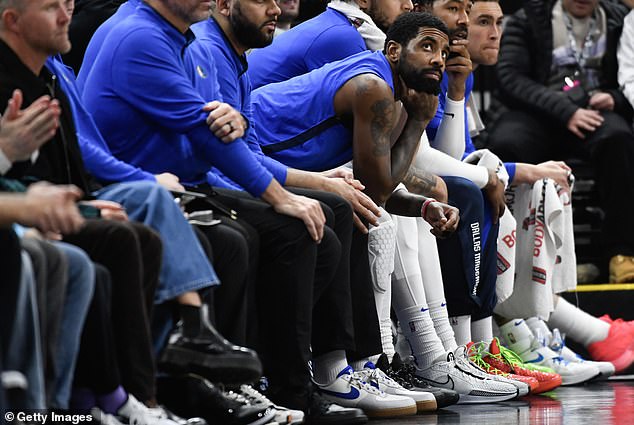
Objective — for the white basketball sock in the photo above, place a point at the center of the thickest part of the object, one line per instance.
(577, 324)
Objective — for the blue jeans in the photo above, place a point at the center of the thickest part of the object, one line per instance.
(24, 349)
(185, 266)
(79, 290)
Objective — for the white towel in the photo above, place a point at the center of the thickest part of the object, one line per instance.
(372, 35)
(545, 261)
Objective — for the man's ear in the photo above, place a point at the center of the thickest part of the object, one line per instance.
(393, 51)
(363, 4)
(223, 7)
(9, 19)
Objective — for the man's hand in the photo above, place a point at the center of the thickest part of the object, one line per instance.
(346, 174)
(494, 191)
(306, 209)
(109, 210)
(420, 106)
(22, 132)
(224, 121)
(555, 170)
(584, 119)
(602, 101)
(443, 218)
(458, 68)
(169, 181)
(52, 209)
(361, 203)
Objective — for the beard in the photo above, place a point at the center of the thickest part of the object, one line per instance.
(415, 78)
(248, 33)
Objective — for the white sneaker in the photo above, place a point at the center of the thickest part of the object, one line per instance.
(533, 349)
(349, 391)
(557, 344)
(104, 418)
(283, 415)
(425, 401)
(522, 387)
(474, 386)
(134, 412)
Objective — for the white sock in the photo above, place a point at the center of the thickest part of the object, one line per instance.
(381, 246)
(577, 324)
(440, 318)
(517, 335)
(327, 366)
(461, 326)
(419, 331)
(433, 285)
(482, 330)
(360, 364)
(539, 327)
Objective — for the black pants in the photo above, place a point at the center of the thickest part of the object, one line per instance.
(97, 365)
(132, 254)
(468, 264)
(519, 136)
(293, 271)
(228, 251)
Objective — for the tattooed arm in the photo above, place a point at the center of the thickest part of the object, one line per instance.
(424, 183)
(378, 164)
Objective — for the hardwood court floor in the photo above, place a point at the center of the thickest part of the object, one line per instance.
(598, 403)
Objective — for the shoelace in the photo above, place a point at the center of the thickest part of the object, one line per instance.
(540, 341)
(254, 396)
(477, 352)
(237, 397)
(377, 376)
(359, 382)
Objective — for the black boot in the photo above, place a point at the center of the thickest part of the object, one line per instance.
(194, 395)
(196, 346)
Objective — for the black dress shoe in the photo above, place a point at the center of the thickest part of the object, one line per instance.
(404, 374)
(199, 348)
(192, 395)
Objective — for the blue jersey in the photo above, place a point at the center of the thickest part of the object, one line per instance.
(326, 38)
(235, 89)
(97, 156)
(125, 10)
(150, 113)
(296, 118)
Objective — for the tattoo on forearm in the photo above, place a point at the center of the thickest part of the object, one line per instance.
(419, 181)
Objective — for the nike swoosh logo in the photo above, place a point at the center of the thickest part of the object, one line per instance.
(424, 309)
(519, 322)
(537, 360)
(443, 304)
(441, 384)
(350, 395)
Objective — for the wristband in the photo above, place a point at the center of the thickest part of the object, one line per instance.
(423, 209)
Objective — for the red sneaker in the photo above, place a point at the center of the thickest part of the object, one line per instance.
(618, 347)
(507, 361)
(475, 355)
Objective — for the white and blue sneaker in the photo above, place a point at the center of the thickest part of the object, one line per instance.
(425, 401)
(557, 342)
(531, 346)
(349, 390)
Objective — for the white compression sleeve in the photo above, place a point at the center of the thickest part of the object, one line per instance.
(450, 137)
(441, 164)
